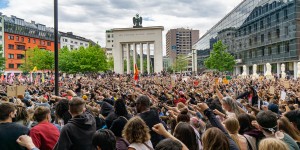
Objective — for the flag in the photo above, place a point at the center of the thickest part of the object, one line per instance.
(43, 78)
(20, 77)
(11, 78)
(34, 69)
(136, 73)
(2, 77)
(31, 79)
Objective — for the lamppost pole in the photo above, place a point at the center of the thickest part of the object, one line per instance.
(56, 46)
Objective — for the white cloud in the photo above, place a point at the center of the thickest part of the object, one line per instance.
(90, 18)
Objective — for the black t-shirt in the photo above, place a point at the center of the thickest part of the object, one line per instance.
(151, 118)
(78, 89)
(9, 133)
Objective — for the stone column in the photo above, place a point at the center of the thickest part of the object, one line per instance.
(158, 55)
(295, 69)
(134, 54)
(118, 58)
(141, 58)
(148, 58)
(278, 69)
(128, 58)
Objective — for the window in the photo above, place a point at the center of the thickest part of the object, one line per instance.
(287, 47)
(250, 42)
(48, 43)
(278, 32)
(250, 54)
(10, 46)
(28, 40)
(262, 38)
(269, 51)
(278, 49)
(42, 42)
(20, 47)
(277, 17)
(255, 27)
(11, 66)
(112, 35)
(19, 65)
(263, 51)
(269, 21)
(34, 41)
(86, 44)
(66, 40)
(285, 14)
(81, 43)
(0, 28)
(71, 41)
(286, 30)
(108, 36)
(245, 32)
(22, 39)
(108, 40)
(10, 56)
(17, 38)
(20, 56)
(269, 36)
(261, 24)
(255, 39)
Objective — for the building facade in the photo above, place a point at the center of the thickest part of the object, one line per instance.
(19, 36)
(73, 41)
(109, 42)
(180, 41)
(257, 32)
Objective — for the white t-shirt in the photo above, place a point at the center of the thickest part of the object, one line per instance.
(141, 146)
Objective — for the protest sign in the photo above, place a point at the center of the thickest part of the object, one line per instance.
(21, 90)
(11, 91)
(286, 84)
(272, 90)
(282, 95)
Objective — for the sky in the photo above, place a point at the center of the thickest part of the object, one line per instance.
(90, 18)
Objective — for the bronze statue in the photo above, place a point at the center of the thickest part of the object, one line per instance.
(137, 21)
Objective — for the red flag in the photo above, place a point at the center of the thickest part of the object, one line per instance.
(136, 73)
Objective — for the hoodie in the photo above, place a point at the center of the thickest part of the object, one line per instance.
(77, 133)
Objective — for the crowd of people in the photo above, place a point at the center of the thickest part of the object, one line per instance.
(155, 112)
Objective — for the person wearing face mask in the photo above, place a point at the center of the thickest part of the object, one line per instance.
(44, 135)
(10, 131)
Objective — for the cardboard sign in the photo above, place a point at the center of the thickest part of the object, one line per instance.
(286, 84)
(11, 91)
(173, 79)
(272, 90)
(21, 90)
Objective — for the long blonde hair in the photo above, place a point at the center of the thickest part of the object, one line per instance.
(232, 125)
(271, 144)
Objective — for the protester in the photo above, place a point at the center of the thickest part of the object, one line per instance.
(44, 135)
(78, 132)
(104, 139)
(184, 109)
(9, 130)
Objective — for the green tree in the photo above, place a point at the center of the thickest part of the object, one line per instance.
(181, 63)
(42, 59)
(2, 59)
(220, 59)
(83, 60)
(110, 63)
